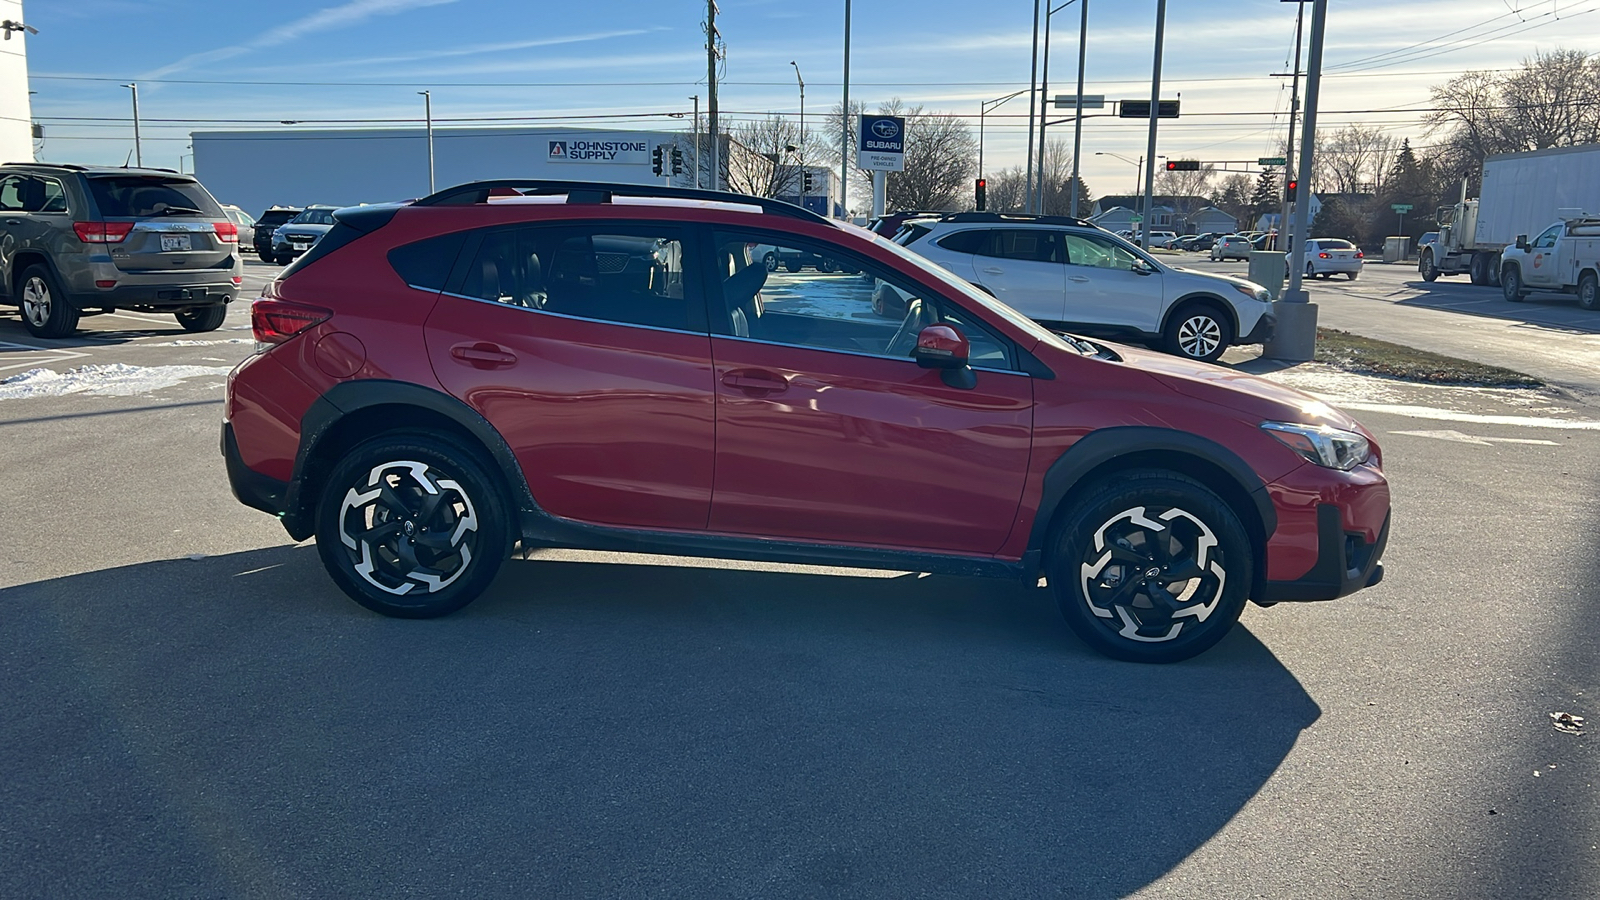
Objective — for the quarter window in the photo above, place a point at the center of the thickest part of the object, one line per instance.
(427, 264)
(964, 241)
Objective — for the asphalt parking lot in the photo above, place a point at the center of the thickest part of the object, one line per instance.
(195, 710)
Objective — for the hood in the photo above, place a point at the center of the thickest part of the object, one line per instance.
(1216, 276)
(1256, 397)
(288, 229)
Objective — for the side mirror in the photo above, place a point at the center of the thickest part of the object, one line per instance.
(941, 347)
(1522, 242)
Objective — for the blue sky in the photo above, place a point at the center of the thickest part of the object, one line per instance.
(363, 60)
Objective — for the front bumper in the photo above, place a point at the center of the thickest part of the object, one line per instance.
(1346, 562)
(1263, 330)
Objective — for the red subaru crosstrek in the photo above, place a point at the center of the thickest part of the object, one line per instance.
(608, 367)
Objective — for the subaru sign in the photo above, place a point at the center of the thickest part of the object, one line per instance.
(882, 144)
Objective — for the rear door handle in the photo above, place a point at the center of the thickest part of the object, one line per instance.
(993, 270)
(757, 382)
(13, 221)
(1084, 279)
(483, 355)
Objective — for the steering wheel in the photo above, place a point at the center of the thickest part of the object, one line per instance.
(918, 317)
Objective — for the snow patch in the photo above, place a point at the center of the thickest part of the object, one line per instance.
(114, 380)
(186, 343)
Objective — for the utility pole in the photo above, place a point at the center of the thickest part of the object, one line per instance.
(1033, 97)
(804, 160)
(1044, 102)
(1295, 338)
(844, 145)
(427, 107)
(138, 147)
(1077, 124)
(1155, 111)
(1294, 107)
(696, 99)
(711, 93)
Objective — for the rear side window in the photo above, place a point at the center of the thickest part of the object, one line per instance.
(910, 234)
(276, 217)
(963, 241)
(426, 264)
(1033, 245)
(140, 196)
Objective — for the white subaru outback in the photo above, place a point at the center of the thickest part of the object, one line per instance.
(1068, 273)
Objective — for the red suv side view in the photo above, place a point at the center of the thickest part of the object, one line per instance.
(606, 367)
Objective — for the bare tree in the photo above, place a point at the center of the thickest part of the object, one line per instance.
(1190, 190)
(771, 167)
(941, 155)
(1232, 196)
(1007, 190)
(1056, 186)
(1354, 159)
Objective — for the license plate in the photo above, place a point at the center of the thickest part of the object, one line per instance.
(301, 246)
(174, 242)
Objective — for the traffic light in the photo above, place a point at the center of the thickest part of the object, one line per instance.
(655, 161)
(1290, 189)
(1183, 165)
(980, 194)
(677, 161)
(806, 183)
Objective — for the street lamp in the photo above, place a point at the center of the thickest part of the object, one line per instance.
(138, 149)
(1044, 95)
(427, 108)
(1137, 165)
(983, 110)
(802, 131)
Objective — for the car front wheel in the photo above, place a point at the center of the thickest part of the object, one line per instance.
(1199, 333)
(412, 526)
(1426, 268)
(1151, 567)
(1511, 284)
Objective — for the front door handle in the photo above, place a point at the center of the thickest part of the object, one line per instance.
(1082, 279)
(755, 382)
(994, 270)
(13, 221)
(483, 355)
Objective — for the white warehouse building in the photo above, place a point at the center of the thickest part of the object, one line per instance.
(16, 114)
(345, 167)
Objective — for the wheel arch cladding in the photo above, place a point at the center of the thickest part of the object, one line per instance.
(1190, 301)
(355, 411)
(1110, 451)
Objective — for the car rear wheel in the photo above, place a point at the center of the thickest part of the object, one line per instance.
(1588, 291)
(1198, 332)
(412, 526)
(770, 261)
(204, 318)
(1151, 567)
(46, 311)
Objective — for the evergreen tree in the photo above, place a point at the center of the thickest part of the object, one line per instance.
(1268, 197)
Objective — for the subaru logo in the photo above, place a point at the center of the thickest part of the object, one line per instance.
(885, 128)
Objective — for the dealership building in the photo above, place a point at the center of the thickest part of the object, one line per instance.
(16, 114)
(345, 167)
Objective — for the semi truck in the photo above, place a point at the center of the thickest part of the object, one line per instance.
(1522, 194)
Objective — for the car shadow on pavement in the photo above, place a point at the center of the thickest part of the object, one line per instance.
(233, 725)
(1546, 310)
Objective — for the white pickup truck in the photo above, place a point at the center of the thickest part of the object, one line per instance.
(1565, 257)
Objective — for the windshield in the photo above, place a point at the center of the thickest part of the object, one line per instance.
(138, 196)
(313, 217)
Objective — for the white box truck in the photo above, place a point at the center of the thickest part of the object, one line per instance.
(1522, 194)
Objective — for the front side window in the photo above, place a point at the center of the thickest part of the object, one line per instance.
(1099, 252)
(590, 272)
(1548, 239)
(847, 304)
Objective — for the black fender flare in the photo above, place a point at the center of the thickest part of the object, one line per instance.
(349, 397)
(1100, 447)
(1202, 297)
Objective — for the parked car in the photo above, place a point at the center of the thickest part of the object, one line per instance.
(1202, 242)
(886, 225)
(85, 240)
(266, 224)
(246, 225)
(774, 258)
(1162, 239)
(1232, 246)
(496, 382)
(1327, 257)
(296, 236)
(1068, 273)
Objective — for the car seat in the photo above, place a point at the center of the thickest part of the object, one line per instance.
(742, 294)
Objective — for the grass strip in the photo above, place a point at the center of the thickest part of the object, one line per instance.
(1366, 356)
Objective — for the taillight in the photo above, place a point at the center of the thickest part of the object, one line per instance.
(1360, 255)
(1324, 256)
(276, 321)
(103, 232)
(227, 232)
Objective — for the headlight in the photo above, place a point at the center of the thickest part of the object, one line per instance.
(1329, 447)
(1253, 291)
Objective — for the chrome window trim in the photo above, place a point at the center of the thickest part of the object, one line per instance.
(899, 359)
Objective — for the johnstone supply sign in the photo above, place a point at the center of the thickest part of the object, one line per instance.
(601, 150)
(882, 144)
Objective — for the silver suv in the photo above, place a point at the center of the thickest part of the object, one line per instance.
(1068, 273)
(83, 240)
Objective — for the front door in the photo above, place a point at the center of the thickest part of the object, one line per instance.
(827, 431)
(1107, 284)
(1542, 269)
(586, 347)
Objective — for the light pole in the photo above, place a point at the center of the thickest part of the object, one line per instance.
(1077, 125)
(1138, 166)
(696, 99)
(138, 148)
(182, 156)
(983, 110)
(1033, 96)
(1295, 337)
(803, 158)
(1044, 96)
(844, 144)
(427, 108)
(1155, 112)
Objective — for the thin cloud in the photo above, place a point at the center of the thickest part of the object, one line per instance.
(333, 17)
(477, 49)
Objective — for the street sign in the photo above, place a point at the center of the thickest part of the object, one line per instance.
(1090, 101)
(1140, 109)
(1401, 208)
(1272, 161)
(882, 144)
(1136, 218)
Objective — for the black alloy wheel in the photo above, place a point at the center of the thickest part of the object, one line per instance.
(1151, 567)
(412, 525)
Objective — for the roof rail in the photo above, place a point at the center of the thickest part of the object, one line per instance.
(74, 166)
(1015, 217)
(602, 192)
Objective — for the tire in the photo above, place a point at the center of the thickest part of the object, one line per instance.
(1311, 271)
(770, 261)
(1198, 331)
(375, 510)
(1191, 545)
(1511, 284)
(827, 266)
(791, 267)
(1477, 270)
(206, 318)
(46, 311)
(1352, 275)
(1426, 268)
(1589, 291)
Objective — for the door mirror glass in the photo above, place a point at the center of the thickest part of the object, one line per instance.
(1522, 242)
(941, 347)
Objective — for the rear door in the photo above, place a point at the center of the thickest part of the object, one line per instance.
(1022, 267)
(586, 347)
(173, 223)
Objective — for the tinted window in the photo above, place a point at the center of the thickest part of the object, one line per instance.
(31, 193)
(426, 264)
(1335, 244)
(963, 241)
(634, 279)
(122, 196)
(1032, 245)
(276, 216)
(314, 217)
